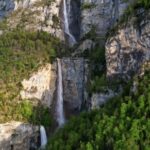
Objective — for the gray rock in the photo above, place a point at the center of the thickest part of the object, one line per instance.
(128, 51)
(85, 45)
(74, 82)
(99, 99)
(101, 14)
(41, 85)
(33, 15)
(18, 136)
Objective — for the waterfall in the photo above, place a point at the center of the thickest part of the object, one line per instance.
(72, 39)
(43, 137)
(59, 105)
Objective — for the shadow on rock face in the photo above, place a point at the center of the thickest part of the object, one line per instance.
(6, 6)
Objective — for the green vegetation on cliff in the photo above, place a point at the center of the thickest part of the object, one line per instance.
(21, 53)
(121, 124)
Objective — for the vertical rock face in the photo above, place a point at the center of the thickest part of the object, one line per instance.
(41, 85)
(6, 6)
(73, 72)
(18, 136)
(129, 49)
(99, 99)
(100, 14)
(33, 15)
(74, 17)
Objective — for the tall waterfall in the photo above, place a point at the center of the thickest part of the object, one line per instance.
(59, 105)
(72, 39)
(43, 137)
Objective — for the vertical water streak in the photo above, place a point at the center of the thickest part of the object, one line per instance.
(59, 106)
(43, 137)
(72, 40)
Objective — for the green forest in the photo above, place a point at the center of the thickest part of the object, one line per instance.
(121, 124)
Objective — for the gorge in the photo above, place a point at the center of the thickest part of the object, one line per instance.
(74, 74)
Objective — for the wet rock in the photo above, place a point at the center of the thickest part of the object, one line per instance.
(74, 72)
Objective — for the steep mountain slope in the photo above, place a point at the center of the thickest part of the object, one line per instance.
(34, 33)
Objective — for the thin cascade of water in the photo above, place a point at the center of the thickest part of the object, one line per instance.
(59, 106)
(72, 39)
(43, 137)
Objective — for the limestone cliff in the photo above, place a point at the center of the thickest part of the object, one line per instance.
(33, 15)
(41, 85)
(101, 15)
(18, 136)
(127, 50)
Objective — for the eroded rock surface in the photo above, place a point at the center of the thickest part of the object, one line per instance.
(129, 49)
(18, 136)
(33, 15)
(99, 99)
(100, 15)
(41, 85)
(74, 72)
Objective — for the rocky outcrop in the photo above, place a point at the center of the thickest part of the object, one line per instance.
(33, 15)
(41, 85)
(74, 72)
(6, 6)
(99, 99)
(18, 136)
(128, 50)
(100, 15)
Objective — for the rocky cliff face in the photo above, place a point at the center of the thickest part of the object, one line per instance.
(128, 50)
(33, 15)
(18, 136)
(41, 85)
(75, 73)
(47, 15)
(100, 15)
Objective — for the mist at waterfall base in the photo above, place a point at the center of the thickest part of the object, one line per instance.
(71, 38)
(59, 105)
(43, 137)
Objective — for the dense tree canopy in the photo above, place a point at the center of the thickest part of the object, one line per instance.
(122, 124)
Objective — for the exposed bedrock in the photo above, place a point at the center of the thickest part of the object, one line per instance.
(41, 86)
(75, 74)
(19, 136)
(101, 15)
(128, 50)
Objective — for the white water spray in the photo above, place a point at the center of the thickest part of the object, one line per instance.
(43, 137)
(72, 40)
(59, 105)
